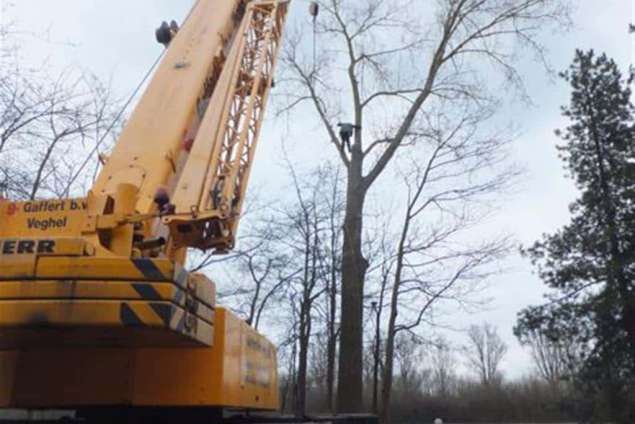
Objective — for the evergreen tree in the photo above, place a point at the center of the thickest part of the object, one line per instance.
(590, 263)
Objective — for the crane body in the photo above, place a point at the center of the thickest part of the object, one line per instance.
(96, 307)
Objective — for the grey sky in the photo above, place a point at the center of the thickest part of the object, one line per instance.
(115, 39)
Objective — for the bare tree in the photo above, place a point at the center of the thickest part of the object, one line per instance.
(378, 306)
(311, 231)
(308, 232)
(318, 371)
(377, 57)
(287, 354)
(49, 124)
(288, 271)
(332, 201)
(552, 359)
(443, 368)
(306, 222)
(266, 275)
(466, 167)
(409, 358)
(485, 351)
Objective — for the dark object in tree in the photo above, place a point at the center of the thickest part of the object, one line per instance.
(165, 33)
(590, 263)
(346, 133)
(314, 9)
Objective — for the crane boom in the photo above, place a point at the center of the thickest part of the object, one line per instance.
(152, 139)
(210, 194)
(201, 117)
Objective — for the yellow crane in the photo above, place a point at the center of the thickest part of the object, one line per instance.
(97, 312)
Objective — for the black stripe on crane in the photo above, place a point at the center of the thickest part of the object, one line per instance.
(129, 317)
(146, 291)
(164, 311)
(150, 270)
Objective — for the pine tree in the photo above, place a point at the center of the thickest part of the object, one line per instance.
(590, 263)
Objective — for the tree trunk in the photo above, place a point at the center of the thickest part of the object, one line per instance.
(354, 266)
(386, 387)
(300, 396)
(331, 344)
(376, 359)
(305, 318)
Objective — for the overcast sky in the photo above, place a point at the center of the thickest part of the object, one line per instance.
(115, 39)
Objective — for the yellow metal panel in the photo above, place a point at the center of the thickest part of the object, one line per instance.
(98, 268)
(16, 267)
(14, 313)
(212, 376)
(114, 269)
(86, 289)
(218, 376)
(184, 378)
(18, 256)
(21, 320)
(73, 377)
(111, 290)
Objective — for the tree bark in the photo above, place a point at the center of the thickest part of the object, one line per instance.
(305, 324)
(376, 353)
(332, 340)
(354, 266)
(386, 388)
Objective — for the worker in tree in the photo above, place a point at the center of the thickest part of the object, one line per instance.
(346, 132)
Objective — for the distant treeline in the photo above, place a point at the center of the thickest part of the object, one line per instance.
(528, 400)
